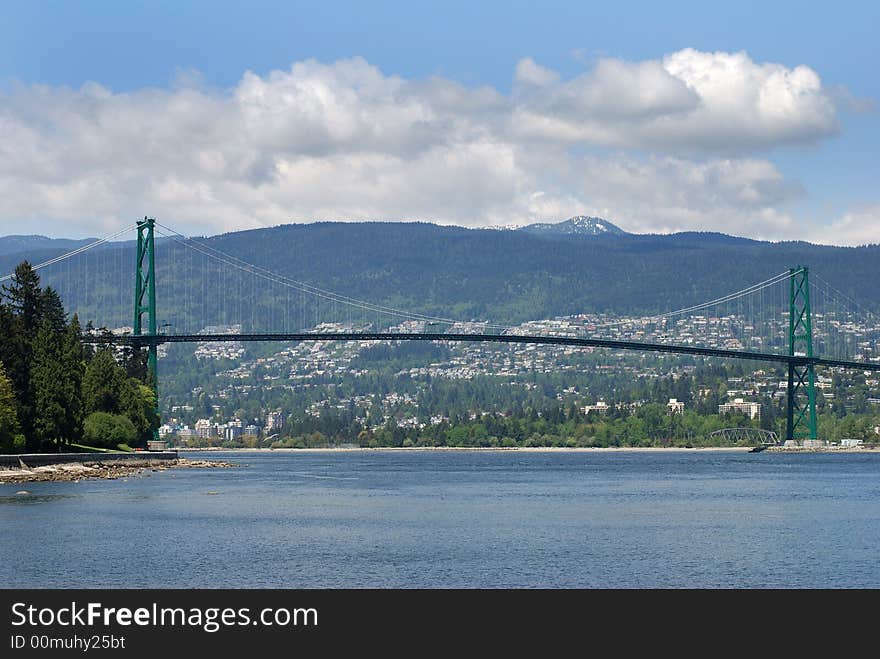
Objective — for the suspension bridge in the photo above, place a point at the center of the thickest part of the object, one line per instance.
(790, 319)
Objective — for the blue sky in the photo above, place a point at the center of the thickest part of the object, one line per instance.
(513, 151)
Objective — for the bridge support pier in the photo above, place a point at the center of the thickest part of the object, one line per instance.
(801, 399)
(145, 297)
(801, 415)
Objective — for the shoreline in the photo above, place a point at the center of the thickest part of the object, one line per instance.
(73, 472)
(527, 449)
(114, 470)
(539, 449)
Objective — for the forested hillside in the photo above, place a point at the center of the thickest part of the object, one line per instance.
(505, 276)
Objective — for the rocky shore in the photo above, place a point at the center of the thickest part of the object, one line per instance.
(89, 470)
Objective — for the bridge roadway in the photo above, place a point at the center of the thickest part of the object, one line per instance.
(798, 360)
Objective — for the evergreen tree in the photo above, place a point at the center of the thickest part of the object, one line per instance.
(51, 310)
(73, 367)
(48, 382)
(7, 333)
(134, 361)
(25, 297)
(138, 402)
(8, 418)
(104, 384)
(53, 393)
(88, 350)
(25, 302)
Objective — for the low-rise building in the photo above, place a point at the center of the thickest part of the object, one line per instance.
(749, 408)
(600, 407)
(274, 421)
(204, 428)
(185, 434)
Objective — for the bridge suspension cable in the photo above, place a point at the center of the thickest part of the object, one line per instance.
(730, 297)
(283, 280)
(75, 252)
(844, 327)
(755, 288)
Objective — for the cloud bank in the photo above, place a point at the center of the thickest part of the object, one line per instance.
(678, 143)
(860, 226)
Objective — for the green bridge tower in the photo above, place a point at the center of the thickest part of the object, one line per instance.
(801, 405)
(145, 297)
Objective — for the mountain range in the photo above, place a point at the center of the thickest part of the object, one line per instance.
(34, 243)
(506, 276)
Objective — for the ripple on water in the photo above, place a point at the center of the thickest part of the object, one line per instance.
(24, 497)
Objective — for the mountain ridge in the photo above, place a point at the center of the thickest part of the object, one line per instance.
(506, 276)
(15, 244)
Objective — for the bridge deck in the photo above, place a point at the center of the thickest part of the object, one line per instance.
(145, 340)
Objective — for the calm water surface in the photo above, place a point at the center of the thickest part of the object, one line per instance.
(441, 519)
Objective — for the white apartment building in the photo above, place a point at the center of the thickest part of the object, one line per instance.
(749, 408)
(600, 407)
(274, 421)
(204, 428)
(675, 406)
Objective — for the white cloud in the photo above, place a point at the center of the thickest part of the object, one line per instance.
(530, 73)
(345, 141)
(856, 227)
(614, 92)
(690, 102)
(754, 105)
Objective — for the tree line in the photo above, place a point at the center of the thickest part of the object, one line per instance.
(55, 391)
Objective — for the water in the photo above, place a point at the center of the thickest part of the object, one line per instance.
(457, 519)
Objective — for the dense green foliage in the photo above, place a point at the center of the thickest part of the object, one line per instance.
(10, 439)
(49, 382)
(107, 430)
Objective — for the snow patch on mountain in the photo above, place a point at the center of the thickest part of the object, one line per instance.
(580, 225)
